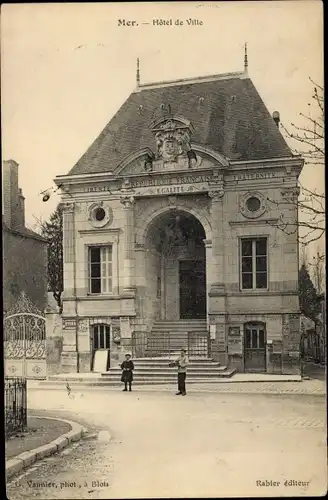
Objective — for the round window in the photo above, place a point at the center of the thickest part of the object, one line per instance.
(253, 204)
(99, 214)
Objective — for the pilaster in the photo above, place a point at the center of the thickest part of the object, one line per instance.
(68, 248)
(217, 268)
(129, 257)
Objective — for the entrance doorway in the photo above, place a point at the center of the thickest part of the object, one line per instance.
(175, 268)
(100, 348)
(192, 282)
(254, 347)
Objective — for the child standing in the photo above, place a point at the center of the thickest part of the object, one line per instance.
(181, 363)
(127, 368)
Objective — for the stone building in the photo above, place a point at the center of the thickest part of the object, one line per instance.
(24, 251)
(169, 231)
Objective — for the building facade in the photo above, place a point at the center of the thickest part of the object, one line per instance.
(24, 251)
(170, 219)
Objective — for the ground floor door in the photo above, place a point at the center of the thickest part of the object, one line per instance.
(192, 283)
(100, 348)
(254, 348)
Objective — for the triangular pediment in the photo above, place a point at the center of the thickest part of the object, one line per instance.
(172, 150)
(145, 161)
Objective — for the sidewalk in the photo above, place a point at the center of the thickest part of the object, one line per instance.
(40, 431)
(314, 370)
(23, 449)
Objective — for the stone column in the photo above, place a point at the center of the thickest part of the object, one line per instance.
(217, 268)
(129, 257)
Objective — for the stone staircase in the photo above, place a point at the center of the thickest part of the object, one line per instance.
(157, 371)
(169, 337)
(148, 371)
(153, 368)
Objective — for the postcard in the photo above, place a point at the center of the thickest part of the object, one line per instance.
(163, 221)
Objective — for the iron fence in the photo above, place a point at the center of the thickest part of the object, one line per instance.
(199, 344)
(139, 344)
(15, 404)
(166, 344)
(159, 345)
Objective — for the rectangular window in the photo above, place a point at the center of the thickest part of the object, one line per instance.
(100, 269)
(254, 264)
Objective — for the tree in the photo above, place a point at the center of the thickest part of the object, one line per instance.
(309, 299)
(317, 271)
(308, 141)
(53, 232)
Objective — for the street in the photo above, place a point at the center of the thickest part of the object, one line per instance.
(205, 444)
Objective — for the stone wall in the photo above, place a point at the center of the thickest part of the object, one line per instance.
(24, 269)
(54, 336)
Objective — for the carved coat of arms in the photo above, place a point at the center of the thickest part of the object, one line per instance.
(172, 137)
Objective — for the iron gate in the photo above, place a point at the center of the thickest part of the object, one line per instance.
(199, 345)
(25, 341)
(15, 405)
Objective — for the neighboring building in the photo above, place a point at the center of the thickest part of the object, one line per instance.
(314, 335)
(168, 228)
(24, 251)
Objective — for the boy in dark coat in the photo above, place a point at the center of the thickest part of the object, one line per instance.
(127, 374)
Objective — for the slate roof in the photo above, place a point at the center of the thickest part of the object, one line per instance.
(231, 119)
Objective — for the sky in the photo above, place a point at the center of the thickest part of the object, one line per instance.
(67, 68)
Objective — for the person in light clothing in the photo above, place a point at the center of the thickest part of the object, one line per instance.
(181, 362)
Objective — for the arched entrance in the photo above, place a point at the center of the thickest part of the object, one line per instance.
(176, 267)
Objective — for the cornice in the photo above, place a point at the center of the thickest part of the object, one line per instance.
(228, 167)
(100, 231)
(253, 222)
(290, 161)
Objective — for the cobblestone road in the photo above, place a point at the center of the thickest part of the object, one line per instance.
(205, 444)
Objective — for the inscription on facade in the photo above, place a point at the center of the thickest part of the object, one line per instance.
(178, 180)
(235, 342)
(257, 175)
(69, 358)
(69, 323)
(168, 181)
(95, 189)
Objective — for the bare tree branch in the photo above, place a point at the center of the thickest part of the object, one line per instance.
(310, 204)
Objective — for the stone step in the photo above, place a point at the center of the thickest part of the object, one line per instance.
(148, 354)
(168, 369)
(142, 374)
(180, 325)
(178, 328)
(167, 359)
(115, 381)
(180, 322)
(159, 365)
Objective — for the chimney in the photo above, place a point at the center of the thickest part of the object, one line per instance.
(276, 117)
(12, 202)
(22, 208)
